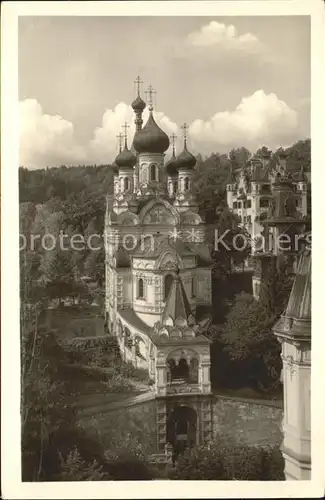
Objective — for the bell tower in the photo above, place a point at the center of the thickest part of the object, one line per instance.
(182, 376)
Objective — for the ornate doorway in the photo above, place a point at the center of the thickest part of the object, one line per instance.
(181, 428)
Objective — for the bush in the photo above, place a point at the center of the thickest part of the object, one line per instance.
(232, 461)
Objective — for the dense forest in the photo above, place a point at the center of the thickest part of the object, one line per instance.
(244, 353)
(72, 201)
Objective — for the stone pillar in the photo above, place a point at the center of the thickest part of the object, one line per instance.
(161, 424)
(296, 445)
(161, 379)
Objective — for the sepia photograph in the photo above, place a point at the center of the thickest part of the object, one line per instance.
(164, 191)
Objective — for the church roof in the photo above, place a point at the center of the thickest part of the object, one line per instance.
(125, 159)
(296, 321)
(146, 249)
(177, 304)
(299, 305)
(186, 160)
(138, 104)
(151, 138)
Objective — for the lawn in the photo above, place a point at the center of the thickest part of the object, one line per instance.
(70, 322)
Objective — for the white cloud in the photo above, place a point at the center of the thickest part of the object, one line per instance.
(258, 119)
(104, 145)
(224, 36)
(45, 139)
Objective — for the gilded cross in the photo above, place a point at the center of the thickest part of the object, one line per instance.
(138, 82)
(120, 141)
(173, 138)
(150, 93)
(126, 126)
(184, 127)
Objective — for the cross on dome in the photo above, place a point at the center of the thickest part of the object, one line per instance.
(138, 82)
(125, 127)
(184, 127)
(119, 138)
(173, 138)
(150, 93)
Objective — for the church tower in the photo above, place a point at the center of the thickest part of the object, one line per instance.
(293, 331)
(182, 367)
(151, 142)
(158, 279)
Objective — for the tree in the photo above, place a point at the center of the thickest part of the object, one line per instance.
(251, 344)
(229, 459)
(234, 245)
(57, 274)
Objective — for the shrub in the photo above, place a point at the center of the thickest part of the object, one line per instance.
(232, 461)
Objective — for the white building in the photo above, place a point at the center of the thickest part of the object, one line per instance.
(249, 192)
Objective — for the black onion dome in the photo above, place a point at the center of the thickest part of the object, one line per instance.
(172, 166)
(138, 104)
(125, 159)
(114, 168)
(151, 139)
(186, 160)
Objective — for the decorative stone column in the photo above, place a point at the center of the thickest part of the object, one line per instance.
(293, 330)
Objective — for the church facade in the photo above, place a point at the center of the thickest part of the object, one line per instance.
(158, 278)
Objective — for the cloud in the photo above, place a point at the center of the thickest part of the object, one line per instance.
(45, 139)
(225, 36)
(258, 119)
(104, 145)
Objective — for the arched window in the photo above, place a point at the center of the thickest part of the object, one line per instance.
(186, 184)
(126, 183)
(194, 371)
(183, 369)
(168, 284)
(140, 289)
(153, 172)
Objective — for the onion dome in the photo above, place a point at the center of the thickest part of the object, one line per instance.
(125, 159)
(114, 168)
(186, 160)
(301, 176)
(151, 139)
(281, 153)
(172, 166)
(138, 104)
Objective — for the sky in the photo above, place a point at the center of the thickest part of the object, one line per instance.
(236, 81)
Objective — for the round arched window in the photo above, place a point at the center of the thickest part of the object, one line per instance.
(153, 173)
(126, 184)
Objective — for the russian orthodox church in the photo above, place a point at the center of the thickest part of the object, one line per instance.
(158, 279)
(250, 190)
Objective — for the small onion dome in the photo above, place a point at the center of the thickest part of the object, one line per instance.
(172, 167)
(151, 139)
(301, 176)
(114, 168)
(282, 153)
(125, 159)
(138, 104)
(186, 160)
